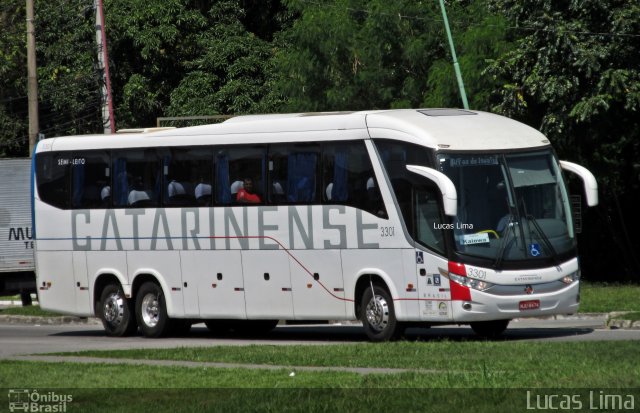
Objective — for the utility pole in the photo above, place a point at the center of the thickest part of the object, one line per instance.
(456, 66)
(103, 67)
(32, 81)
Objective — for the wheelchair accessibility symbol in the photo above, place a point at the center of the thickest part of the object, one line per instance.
(534, 250)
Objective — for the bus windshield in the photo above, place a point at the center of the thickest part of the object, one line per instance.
(511, 206)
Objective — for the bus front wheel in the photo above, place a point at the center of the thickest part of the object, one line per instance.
(151, 310)
(378, 314)
(115, 312)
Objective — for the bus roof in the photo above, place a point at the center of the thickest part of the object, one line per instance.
(450, 129)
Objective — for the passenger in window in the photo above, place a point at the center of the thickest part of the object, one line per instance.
(246, 195)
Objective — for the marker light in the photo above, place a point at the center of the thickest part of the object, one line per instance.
(571, 278)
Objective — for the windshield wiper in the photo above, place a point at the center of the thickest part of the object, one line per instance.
(503, 244)
(544, 238)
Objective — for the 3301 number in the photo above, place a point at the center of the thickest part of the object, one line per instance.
(387, 231)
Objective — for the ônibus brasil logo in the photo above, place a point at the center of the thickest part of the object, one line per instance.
(25, 400)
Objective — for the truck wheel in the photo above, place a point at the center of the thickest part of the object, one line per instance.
(115, 312)
(490, 329)
(151, 311)
(26, 299)
(378, 314)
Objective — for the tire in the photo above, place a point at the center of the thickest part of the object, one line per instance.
(115, 312)
(378, 316)
(151, 311)
(490, 329)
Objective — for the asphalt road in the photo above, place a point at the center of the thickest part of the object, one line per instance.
(23, 339)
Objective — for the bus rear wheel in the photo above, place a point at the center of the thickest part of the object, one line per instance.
(378, 314)
(151, 310)
(115, 312)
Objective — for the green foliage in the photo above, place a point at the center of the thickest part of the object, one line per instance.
(13, 60)
(367, 54)
(228, 75)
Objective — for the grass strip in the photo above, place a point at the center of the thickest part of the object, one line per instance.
(107, 388)
(503, 364)
(604, 298)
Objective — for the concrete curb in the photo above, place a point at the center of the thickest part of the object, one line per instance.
(615, 320)
(38, 320)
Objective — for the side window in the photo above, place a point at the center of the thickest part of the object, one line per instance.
(137, 178)
(53, 172)
(240, 175)
(349, 178)
(90, 180)
(294, 174)
(188, 177)
(426, 214)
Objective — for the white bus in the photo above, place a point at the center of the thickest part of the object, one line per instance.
(396, 218)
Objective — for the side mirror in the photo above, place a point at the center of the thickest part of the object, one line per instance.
(589, 181)
(446, 186)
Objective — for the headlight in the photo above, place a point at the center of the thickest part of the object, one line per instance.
(573, 277)
(470, 282)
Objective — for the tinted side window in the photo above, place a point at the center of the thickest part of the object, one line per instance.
(53, 173)
(426, 214)
(240, 175)
(395, 158)
(90, 180)
(349, 178)
(294, 174)
(137, 178)
(188, 176)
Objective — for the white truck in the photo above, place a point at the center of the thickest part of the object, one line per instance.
(17, 269)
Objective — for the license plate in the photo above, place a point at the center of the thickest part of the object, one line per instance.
(529, 305)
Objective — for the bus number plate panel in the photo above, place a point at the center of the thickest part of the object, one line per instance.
(529, 305)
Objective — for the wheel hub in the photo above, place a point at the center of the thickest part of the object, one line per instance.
(150, 310)
(378, 313)
(114, 309)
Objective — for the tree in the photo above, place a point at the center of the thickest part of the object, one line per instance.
(181, 57)
(13, 99)
(68, 85)
(367, 54)
(575, 75)
(228, 74)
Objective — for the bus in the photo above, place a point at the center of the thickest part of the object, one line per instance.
(396, 218)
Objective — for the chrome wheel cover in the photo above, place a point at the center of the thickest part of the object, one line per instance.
(113, 309)
(378, 313)
(149, 310)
